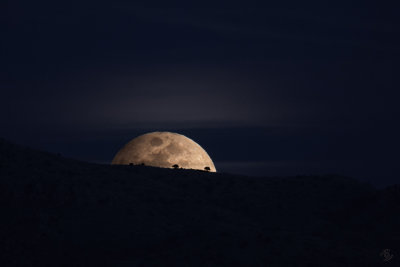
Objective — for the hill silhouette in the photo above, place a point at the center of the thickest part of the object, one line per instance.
(62, 212)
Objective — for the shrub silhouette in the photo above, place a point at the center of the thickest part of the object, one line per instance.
(175, 166)
(207, 169)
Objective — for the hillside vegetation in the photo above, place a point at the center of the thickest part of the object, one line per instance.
(62, 212)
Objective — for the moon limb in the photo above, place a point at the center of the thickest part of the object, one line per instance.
(164, 149)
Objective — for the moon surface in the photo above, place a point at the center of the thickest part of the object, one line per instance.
(164, 149)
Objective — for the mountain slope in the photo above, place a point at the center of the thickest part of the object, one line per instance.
(62, 212)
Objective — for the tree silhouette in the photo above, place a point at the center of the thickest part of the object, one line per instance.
(175, 166)
(207, 168)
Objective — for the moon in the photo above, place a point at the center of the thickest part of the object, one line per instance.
(164, 149)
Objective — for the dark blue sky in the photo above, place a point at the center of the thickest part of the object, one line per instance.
(287, 88)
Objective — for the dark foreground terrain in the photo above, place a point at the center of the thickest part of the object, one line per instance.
(61, 212)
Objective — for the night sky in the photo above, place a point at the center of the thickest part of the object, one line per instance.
(278, 89)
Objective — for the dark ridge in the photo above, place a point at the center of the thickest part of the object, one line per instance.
(62, 212)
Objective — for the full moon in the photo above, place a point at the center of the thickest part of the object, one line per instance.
(165, 150)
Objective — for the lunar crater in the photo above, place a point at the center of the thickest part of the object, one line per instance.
(156, 141)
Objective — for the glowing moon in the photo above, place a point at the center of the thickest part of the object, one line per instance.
(164, 149)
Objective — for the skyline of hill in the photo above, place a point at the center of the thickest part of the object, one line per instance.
(63, 212)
